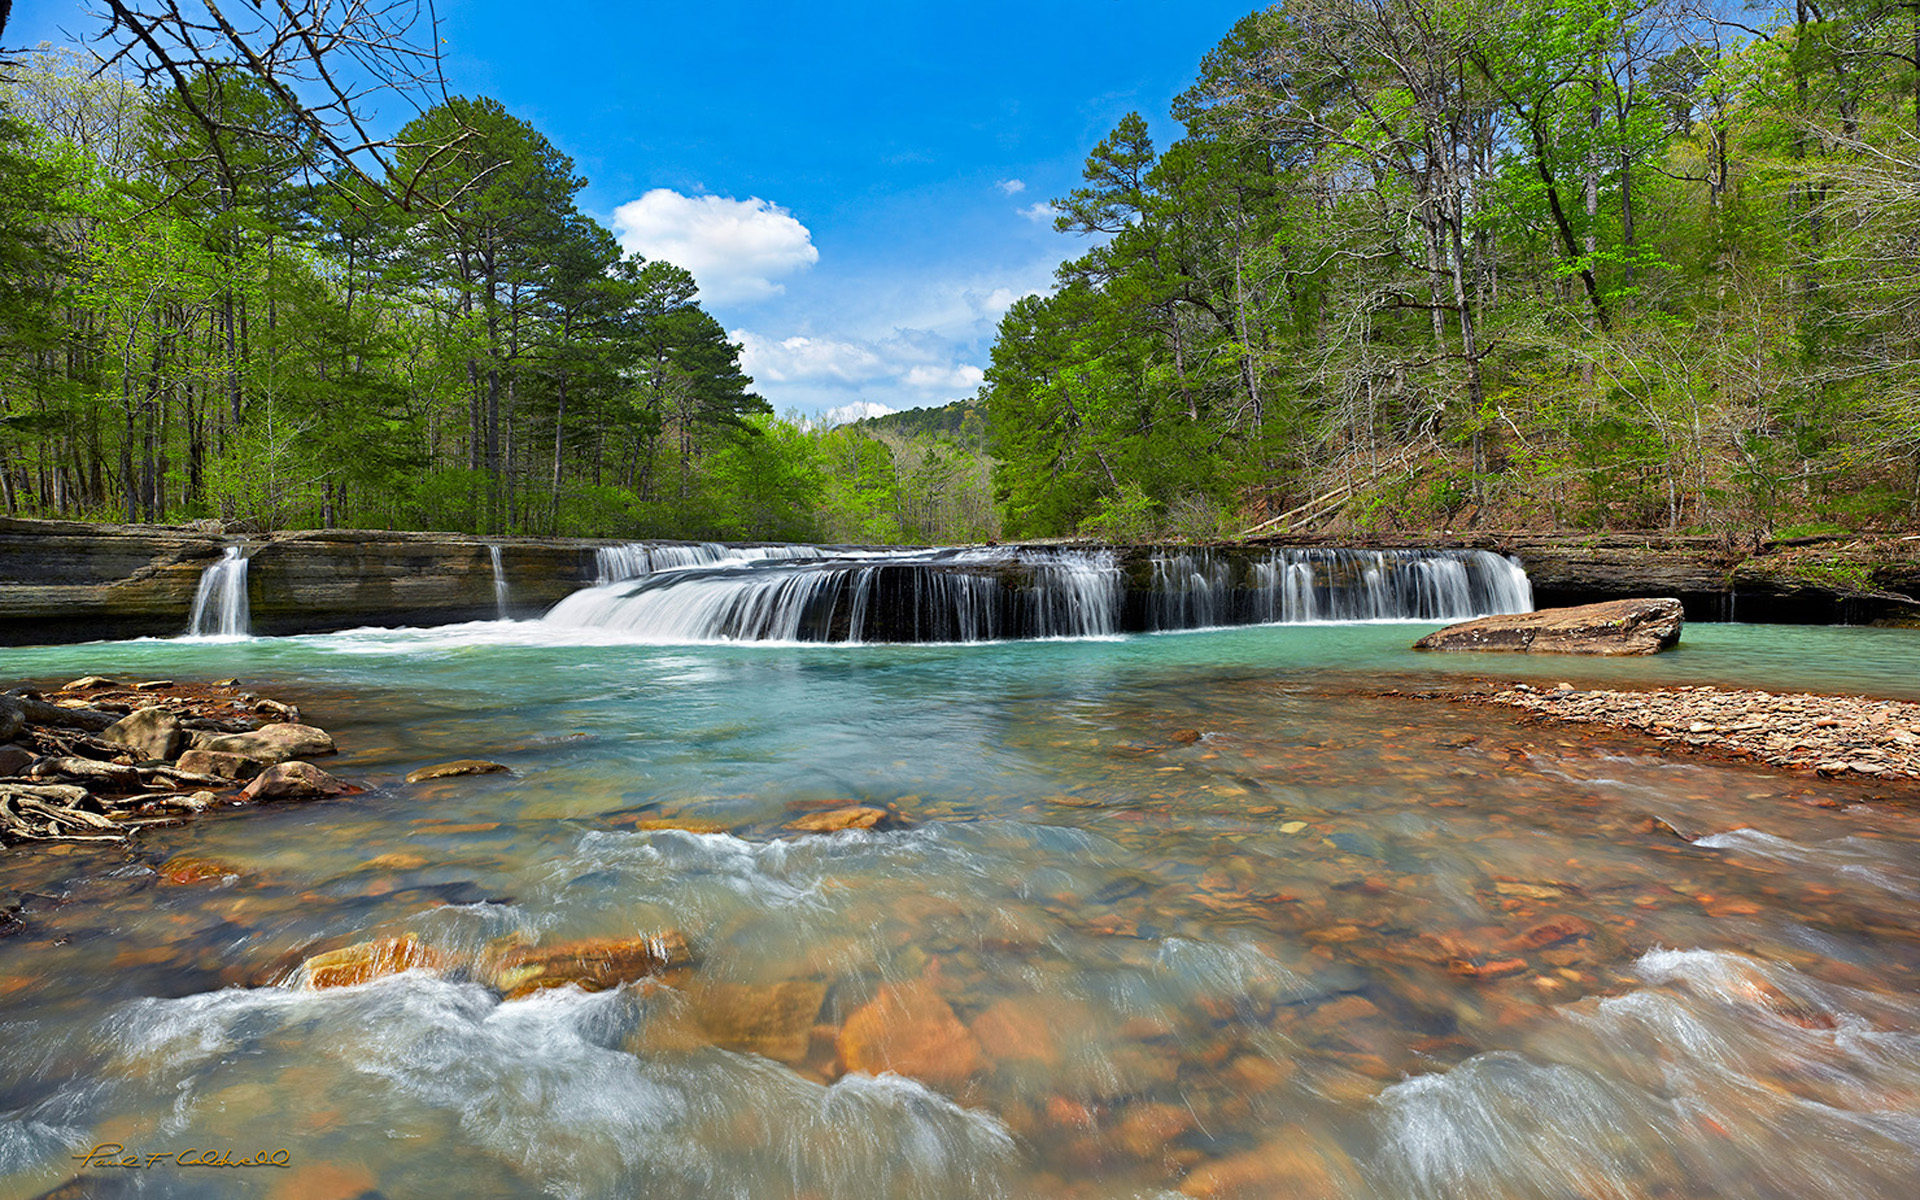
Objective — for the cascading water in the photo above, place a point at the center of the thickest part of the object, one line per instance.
(499, 583)
(220, 604)
(709, 592)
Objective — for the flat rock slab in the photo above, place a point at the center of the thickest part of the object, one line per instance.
(1615, 627)
(462, 766)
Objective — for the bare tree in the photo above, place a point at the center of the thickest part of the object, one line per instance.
(324, 61)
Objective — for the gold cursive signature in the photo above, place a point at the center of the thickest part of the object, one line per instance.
(114, 1154)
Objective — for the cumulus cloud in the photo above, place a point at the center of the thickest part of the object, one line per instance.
(912, 358)
(964, 377)
(1040, 211)
(738, 250)
(1012, 187)
(808, 359)
(858, 410)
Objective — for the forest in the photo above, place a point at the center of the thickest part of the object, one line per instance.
(195, 327)
(1409, 264)
(1509, 263)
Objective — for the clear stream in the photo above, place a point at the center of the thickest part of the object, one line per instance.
(1340, 945)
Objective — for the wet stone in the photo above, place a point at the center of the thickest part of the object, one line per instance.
(463, 766)
(292, 781)
(594, 964)
(367, 961)
(774, 1020)
(911, 1030)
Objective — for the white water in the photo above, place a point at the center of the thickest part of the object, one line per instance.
(709, 592)
(499, 583)
(220, 604)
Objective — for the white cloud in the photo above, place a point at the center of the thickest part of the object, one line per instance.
(1012, 187)
(1040, 211)
(858, 410)
(808, 359)
(736, 249)
(964, 377)
(912, 359)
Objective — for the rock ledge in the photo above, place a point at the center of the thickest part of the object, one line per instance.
(1614, 627)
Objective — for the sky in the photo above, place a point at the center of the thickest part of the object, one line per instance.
(860, 189)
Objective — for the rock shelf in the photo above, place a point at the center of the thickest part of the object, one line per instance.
(1842, 736)
(97, 759)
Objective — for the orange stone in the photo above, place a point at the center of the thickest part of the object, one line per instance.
(909, 1030)
(1013, 1031)
(1297, 1167)
(859, 816)
(1147, 1127)
(775, 1021)
(365, 961)
(595, 965)
(184, 869)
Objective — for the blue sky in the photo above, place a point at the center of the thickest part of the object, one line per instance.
(860, 188)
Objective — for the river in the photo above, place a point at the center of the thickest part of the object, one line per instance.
(1340, 944)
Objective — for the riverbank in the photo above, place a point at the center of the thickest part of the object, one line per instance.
(1833, 737)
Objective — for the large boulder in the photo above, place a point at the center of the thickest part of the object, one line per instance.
(1614, 627)
(151, 733)
(269, 743)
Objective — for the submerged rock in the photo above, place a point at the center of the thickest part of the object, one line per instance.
(1615, 627)
(463, 766)
(774, 1020)
(910, 1030)
(833, 820)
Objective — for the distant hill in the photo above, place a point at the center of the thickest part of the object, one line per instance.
(962, 421)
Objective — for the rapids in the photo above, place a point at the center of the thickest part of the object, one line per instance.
(1339, 944)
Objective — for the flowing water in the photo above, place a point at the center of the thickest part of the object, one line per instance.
(1338, 944)
(500, 591)
(220, 606)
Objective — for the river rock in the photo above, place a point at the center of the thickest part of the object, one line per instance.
(187, 869)
(1615, 627)
(463, 766)
(595, 964)
(772, 1020)
(151, 733)
(909, 1030)
(858, 816)
(12, 719)
(292, 781)
(15, 759)
(269, 743)
(365, 961)
(1298, 1166)
(218, 764)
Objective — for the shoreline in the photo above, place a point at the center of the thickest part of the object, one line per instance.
(1804, 735)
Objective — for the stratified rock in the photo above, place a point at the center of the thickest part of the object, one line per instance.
(910, 1030)
(218, 764)
(292, 781)
(151, 733)
(772, 1020)
(269, 743)
(595, 965)
(463, 766)
(365, 961)
(1613, 628)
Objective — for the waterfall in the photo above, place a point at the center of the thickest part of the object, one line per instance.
(636, 560)
(499, 583)
(709, 592)
(220, 603)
